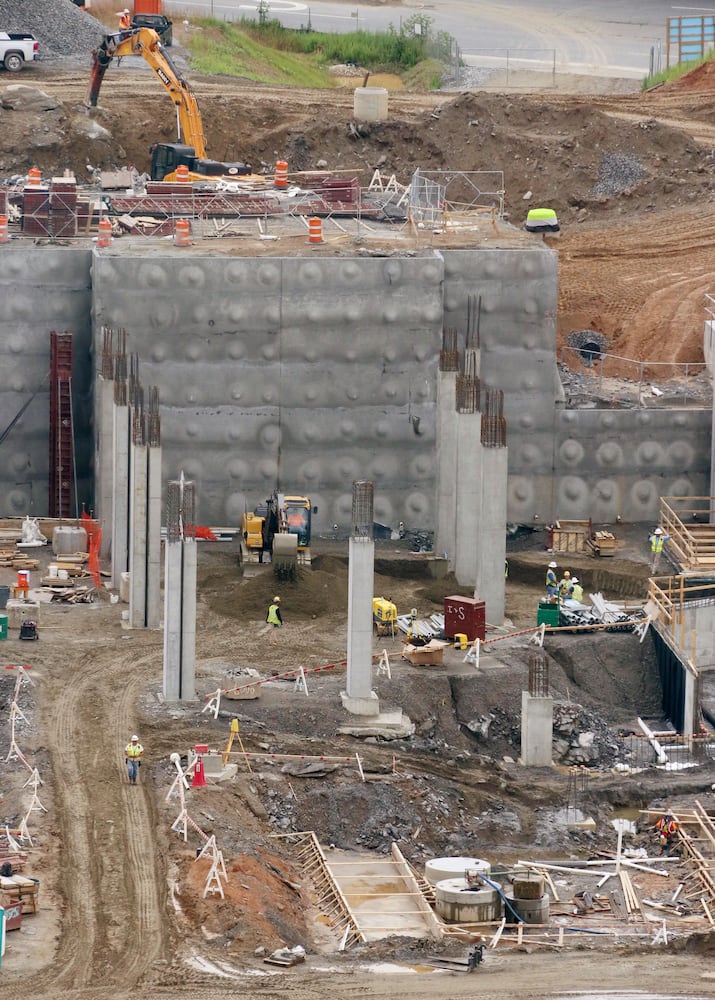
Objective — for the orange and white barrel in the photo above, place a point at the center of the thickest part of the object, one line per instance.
(4, 238)
(104, 239)
(281, 175)
(315, 231)
(182, 173)
(34, 177)
(182, 233)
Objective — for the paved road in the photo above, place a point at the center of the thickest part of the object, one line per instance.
(610, 36)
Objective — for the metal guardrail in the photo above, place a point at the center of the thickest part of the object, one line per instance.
(594, 368)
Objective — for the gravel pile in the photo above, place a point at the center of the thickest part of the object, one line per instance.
(61, 28)
(619, 172)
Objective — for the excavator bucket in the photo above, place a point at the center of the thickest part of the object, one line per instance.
(285, 556)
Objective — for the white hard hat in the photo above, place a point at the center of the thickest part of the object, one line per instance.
(276, 600)
(552, 565)
(574, 579)
(658, 531)
(135, 739)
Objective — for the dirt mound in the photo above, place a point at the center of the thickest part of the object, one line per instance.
(700, 79)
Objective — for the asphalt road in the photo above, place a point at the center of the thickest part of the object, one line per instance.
(611, 37)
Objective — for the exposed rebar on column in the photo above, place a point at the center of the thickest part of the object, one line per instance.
(107, 369)
(138, 418)
(449, 355)
(474, 315)
(538, 675)
(153, 418)
(120, 370)
(363, 508)
(468, 384)
(493, 432)
(180, 509)
(133, 381)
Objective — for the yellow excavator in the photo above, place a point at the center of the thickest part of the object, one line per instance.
(280, 526)
(190, 150)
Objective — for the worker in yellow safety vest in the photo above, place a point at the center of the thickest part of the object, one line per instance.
(576, 590)
(552, 583)
(657, 539)
(133, 757)
(275, 618)
(564, 585)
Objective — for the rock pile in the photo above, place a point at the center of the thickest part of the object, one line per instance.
(61, 28)
(582, 737)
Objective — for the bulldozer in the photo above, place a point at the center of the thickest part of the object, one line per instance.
(281, 527)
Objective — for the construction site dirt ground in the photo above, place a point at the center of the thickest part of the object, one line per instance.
(121, 907)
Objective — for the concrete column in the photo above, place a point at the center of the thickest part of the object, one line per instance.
(690, 701)
(468, 490)
(180, 593)
(359, 698)
(138, 536)
(120, 495)
(172, 620)
(446, 462)
(153, 551)
(537, 727)
(104, 459)
(491, 543)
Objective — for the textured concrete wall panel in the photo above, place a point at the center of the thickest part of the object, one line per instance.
(41, 289)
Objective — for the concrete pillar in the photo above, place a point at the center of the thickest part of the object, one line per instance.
(180, 593)
(138, 536)
(537, 726)
(446, 462)
(691, 701)
(153, 544)
(104, 459)
(172, 621)
(468, 490)
(359, 698)
(491, 543)
(120, 494)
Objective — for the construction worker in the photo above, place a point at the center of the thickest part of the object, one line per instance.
(125, 21)
(666, 828)
(552, 584)
(133, 757)
(656, 539)
(275, 619)
(576, 590)
(564, 585)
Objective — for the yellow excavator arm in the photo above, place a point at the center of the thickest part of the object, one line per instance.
(145, 42)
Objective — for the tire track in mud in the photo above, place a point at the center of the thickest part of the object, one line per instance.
(114, 925)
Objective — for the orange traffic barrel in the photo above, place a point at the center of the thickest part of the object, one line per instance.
(34, 177)
(104, 239)
(281, 175)
(3, 229)
(182, 172)
(182, 233)
(315, 231)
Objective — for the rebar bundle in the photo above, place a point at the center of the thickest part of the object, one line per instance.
(493, 432)
(538, 675)
(468, 385)
(154, 419)
(180, 509)
(363, 507)
(449, 355)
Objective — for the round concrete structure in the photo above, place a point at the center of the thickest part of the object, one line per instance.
(458, 902)
(370, 104)
(532, 911)
(444, 868)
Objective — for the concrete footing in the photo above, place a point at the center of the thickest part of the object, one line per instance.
(537, 726)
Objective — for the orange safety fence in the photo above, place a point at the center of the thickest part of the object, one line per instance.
(94, 542)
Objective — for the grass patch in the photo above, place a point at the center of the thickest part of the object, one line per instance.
(675, 72)
(220, 47)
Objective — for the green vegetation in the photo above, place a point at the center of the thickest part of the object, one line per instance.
(675, 72)
(220, 47)
(264, 51)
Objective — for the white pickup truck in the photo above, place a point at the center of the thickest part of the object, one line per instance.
(17, 48)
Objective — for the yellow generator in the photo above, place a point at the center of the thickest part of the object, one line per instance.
(384, 616)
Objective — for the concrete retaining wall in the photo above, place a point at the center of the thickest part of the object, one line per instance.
(309, 372)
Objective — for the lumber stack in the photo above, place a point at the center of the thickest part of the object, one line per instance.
(13, 559)
(19, 889)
